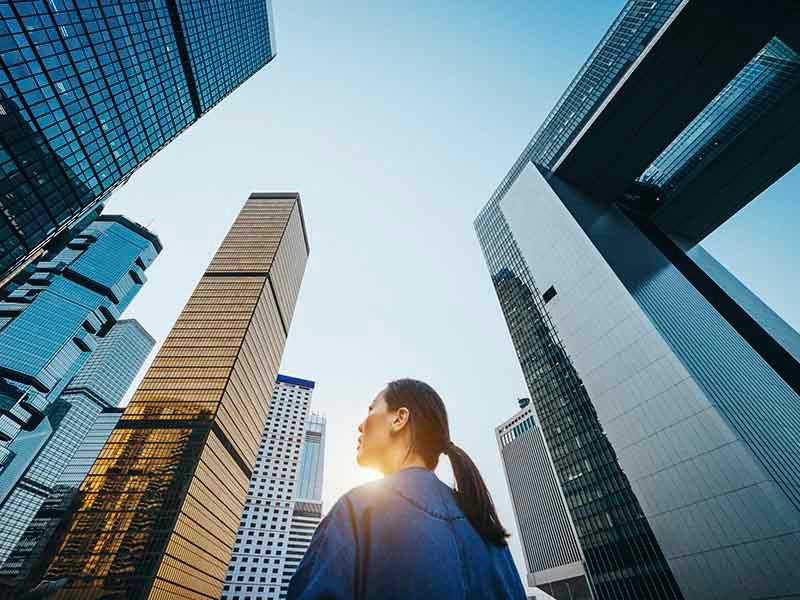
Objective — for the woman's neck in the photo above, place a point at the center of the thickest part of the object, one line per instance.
(410, 460)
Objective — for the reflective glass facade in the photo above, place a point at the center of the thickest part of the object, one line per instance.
(30, 170)
(312, 460)
(99, 385)
(113, 365)
(307, 508)
(83, 459)
(25, 567)
(622, 44)
(623, 559)
(49, 327)
(767, 78)
(90, 90)
(226, 42)
(264, 546)
(161, 505)
(662, 395)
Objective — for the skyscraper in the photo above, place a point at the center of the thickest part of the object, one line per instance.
(552, 555)
(28, 165)
(286, 464)
(25, 566)
(312, 460)
(91, 395)
(161, 505)
(91, 90)
(49, 327)
(307, 508)
(663, 387)
(82, 460)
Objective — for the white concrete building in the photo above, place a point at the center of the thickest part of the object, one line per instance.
(277, 524)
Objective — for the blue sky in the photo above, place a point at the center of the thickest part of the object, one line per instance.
(395, 122)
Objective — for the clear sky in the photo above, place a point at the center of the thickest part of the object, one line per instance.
(396, 121)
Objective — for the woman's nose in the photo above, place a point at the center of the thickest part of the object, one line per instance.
(361, 427)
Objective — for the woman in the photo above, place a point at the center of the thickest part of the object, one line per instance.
(409, 535)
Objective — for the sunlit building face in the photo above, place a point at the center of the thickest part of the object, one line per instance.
(161, 505)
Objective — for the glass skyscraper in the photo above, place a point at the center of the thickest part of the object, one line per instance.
(78, 466)
(312, 460)
(99, 384)
(284, 501)
(761, 84)
(666, 392)
(90, 90)
(307, 508)
(26, 565)
(82, 418)
(49, 328)
(160, 507)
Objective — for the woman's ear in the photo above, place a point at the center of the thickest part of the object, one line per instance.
(400, 419)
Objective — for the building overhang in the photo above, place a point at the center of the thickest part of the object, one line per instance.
(690, 60)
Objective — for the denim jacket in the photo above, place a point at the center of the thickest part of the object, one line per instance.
(399, 538)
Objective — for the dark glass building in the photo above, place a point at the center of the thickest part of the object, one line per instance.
(160, 507)
(23, 225)
(90, 90)
(52, 386)
(26, 565)
(666, 392)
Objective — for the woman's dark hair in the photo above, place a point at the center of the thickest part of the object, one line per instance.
(430, 437)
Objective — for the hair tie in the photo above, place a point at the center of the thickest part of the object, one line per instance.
(449, 448)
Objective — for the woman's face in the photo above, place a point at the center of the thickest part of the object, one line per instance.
(376, 437)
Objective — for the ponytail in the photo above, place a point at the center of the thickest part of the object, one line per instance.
(473, 497)
(430, 437)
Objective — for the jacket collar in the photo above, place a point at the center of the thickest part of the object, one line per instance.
(422, 488)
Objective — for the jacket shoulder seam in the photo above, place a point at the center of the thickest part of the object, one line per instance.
(434, 514)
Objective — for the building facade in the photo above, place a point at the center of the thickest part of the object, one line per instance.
(307, 508)
(552, 554)
(312, 460)
(160, 507)
(49, 328)
(80, 416)
(285, 466)
(26, 565)
(664, 389)
(82, 460)
(89, 91)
